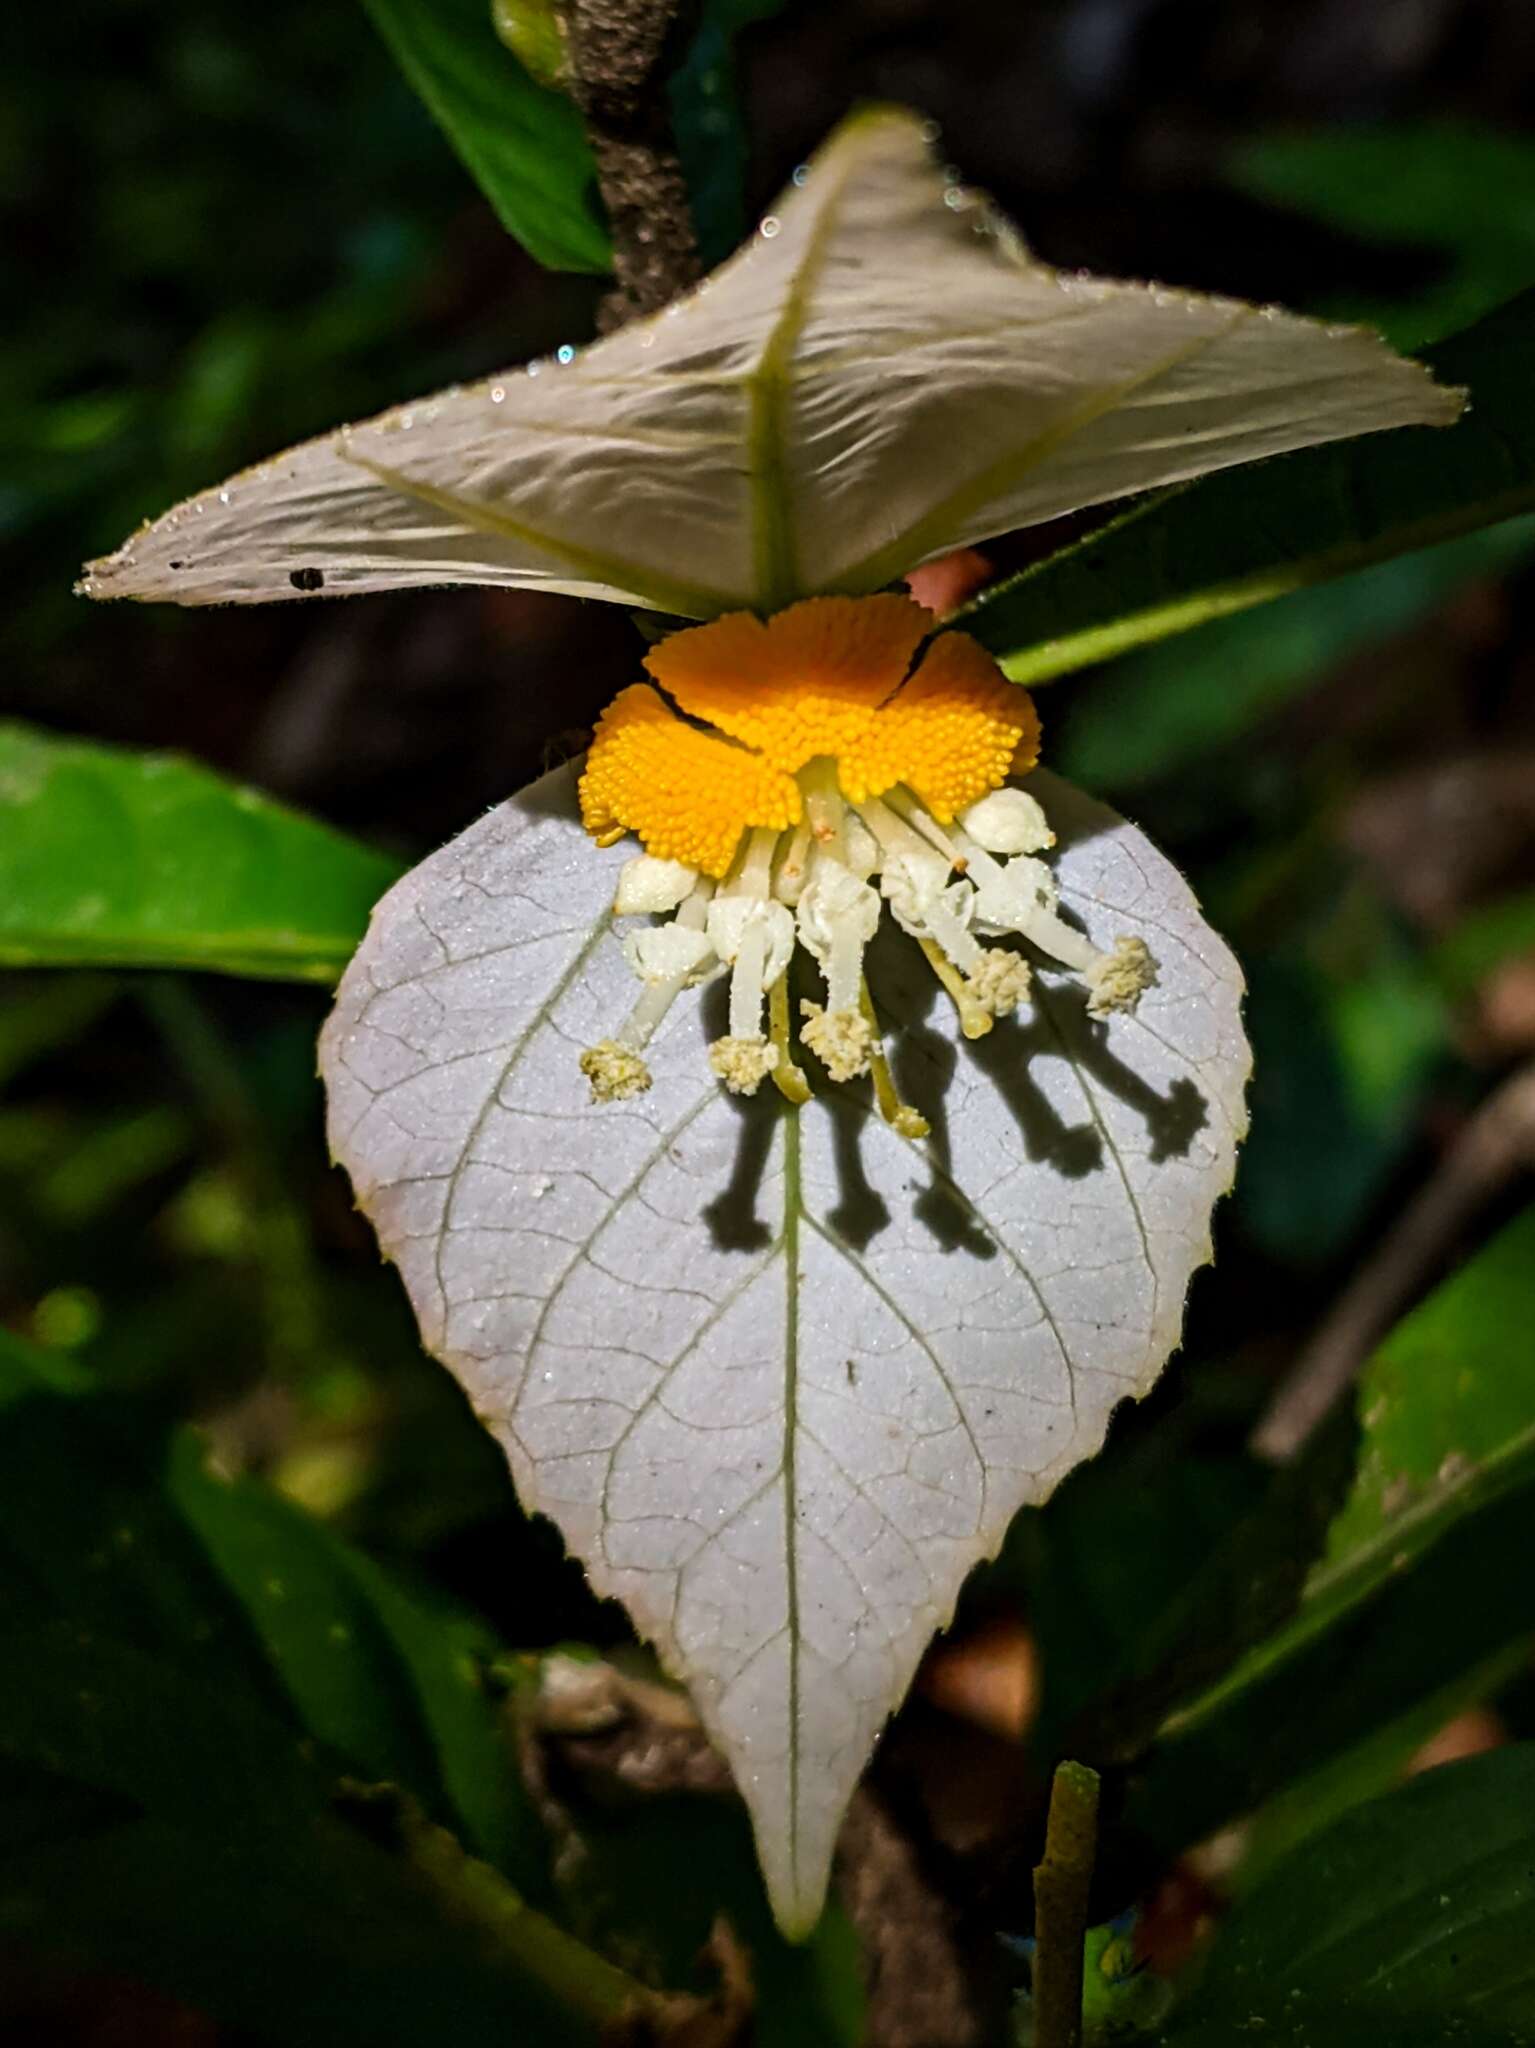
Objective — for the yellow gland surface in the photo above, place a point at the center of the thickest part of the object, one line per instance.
(952, 734)
(686, 795)
(831, 677)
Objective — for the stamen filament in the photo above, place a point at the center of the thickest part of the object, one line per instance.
(788, 1078)
(974, 1021)
(901, 1117)
(825, 807)
(644, 1020)
(922, 821)
(960, 944)
(789, 883)
(746, 985)
(895, 835)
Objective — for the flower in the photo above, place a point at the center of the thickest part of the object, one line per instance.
(786, 779)
(783, 1440)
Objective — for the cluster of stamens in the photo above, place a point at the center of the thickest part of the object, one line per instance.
(836, 777)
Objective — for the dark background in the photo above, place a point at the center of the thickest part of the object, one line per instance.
(227, 227)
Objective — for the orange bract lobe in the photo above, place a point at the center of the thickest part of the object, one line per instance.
(685, 794)
(799, 685)
(829, 678)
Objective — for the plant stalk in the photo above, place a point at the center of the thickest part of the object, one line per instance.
(1061, 1884)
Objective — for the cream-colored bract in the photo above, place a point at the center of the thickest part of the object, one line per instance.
(879, 376)
(782, 1376)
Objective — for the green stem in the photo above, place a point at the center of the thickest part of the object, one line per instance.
(572, 1975)
(1061, 1884)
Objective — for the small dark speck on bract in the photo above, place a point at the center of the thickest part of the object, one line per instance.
(307, 579)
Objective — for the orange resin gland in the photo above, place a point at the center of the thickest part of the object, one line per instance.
(685, 794)
(832, 679)
(952, 734)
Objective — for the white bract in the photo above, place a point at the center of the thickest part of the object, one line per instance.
(781, 1378)
(783, 1348)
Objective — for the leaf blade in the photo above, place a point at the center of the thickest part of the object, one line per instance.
(1417, 1906)
(522, 143)
(115, 859)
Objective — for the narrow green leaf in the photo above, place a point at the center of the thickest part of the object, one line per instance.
(386, 1678)
(1414, 1588)
(522, 143)
(1416, 1908)
(116, 1522)
(110, 858)
(1370, 1768)
(1198, 553)
(1169, 705)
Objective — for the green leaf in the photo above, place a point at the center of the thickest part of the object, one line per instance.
(1414, 1588)
(212, 1865)
(1198, 553)
(118, 1524)
(386, 1678)
(522, 143)
(148, 860)
(1166, 707)
(1423, 185)
(1371, 1767)
(173, 1734)
(1415, 1910)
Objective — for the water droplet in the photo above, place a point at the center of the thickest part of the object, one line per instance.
(497, 394)
(954, 199)
(534, 368)
(801, 173)
(407, 421)
(770, 227)
(565, 353)
(223, 497)
(931, 131)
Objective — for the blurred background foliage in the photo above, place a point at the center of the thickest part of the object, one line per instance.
(226, 228)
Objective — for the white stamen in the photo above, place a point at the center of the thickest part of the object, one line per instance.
(1013, 897)
(614, 1066)
(1007, 821)
(841, 1040)
(743, 1064)
(837, 916)
(794, 867)
(1117, 980)
(667, 952)
(646, 884)
(754, 936)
